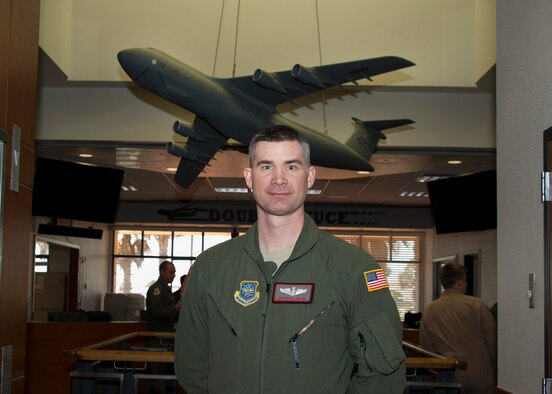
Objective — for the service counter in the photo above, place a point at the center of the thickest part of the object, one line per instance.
(47, 370)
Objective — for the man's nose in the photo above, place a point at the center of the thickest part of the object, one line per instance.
(280, 176)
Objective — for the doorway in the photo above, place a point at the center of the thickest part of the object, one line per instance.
(55, 279)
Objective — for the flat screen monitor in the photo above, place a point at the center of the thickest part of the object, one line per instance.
(464, 203)
(67, 190)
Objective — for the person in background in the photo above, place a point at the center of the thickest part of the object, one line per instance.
(178, 293)
(161, 306)
(162, 311)
(462, 327)
(287, 308)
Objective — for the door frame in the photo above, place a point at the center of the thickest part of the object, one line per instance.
(547, 167)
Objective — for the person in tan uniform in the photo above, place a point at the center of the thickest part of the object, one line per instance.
(462, 327)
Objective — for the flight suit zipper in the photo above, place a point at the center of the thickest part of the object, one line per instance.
(293, 339)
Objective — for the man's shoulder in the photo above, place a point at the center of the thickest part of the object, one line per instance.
(156, 287)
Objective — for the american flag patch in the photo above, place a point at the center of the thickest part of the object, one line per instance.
(375, 280)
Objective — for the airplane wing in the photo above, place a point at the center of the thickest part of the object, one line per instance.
(279, 87)
(203, 142)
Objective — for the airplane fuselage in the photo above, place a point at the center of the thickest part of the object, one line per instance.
(229, 110)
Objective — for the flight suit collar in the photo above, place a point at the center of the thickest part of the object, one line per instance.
(306, 241)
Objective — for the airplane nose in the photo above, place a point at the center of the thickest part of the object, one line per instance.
(134, 62)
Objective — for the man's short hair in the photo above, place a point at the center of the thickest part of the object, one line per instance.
(164, 265)
(278, 133)
(450, 273)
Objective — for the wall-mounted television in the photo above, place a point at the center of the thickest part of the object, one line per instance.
(464, 203)
(67, 190)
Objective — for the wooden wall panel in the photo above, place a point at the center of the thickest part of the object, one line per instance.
(19, 26)
(15, 273)
(5, 11)
(23, 68)
(46, 366)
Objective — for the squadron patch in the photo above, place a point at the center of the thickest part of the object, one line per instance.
(296, 293)
(375, 280)
(248, 293)
(156, 291)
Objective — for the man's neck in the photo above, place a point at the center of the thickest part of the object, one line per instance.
(279, 232)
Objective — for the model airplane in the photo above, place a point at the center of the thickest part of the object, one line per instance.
(239, 107)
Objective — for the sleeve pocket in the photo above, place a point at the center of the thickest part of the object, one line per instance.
(382, 350)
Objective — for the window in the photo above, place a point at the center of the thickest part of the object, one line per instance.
(42, 255)
(399, 256)
(138, 253)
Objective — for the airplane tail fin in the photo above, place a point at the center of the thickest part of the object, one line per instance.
(367, 134)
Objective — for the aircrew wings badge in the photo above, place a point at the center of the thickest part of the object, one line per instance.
(375, 280)
(248, 293)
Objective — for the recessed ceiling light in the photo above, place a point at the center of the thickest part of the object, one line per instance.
(405, 193)
(85, 155)
(454, 161)
(314, 192)
(129, 188)
(171, 169)
(429, 178)
(363, 172)
(231, 189)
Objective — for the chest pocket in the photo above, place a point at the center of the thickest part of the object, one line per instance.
(226, 309)
(310, 316)
(379, 347)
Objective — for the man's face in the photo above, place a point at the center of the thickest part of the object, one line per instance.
(167, 275)
(279, 177)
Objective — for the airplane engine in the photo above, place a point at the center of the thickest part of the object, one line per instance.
(307, 75)
(268, 80)
(180, 150)
(187, 130)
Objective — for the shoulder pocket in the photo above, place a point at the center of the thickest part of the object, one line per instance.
(381, 349)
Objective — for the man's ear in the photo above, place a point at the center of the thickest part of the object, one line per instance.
(311, 177)
(247, 176)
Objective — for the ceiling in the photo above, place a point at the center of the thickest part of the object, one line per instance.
(395, 181)
(398, 169)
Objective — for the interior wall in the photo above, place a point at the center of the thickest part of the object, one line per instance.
(459, 244)
(225, 37)
(524, 96)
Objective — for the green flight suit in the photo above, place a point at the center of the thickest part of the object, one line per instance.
(236, 336)
(160, 304)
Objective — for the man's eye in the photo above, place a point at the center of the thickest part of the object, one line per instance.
(265, 167)
(292, 167)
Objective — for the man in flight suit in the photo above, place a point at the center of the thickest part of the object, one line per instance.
(162, 311)
(287, 308)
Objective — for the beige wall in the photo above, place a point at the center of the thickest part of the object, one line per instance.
(524, 98)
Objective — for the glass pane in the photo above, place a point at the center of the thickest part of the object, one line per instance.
(352, 239)
(135, 275)
(406, 248)
(184, 242)
(212, 239)
(182, 268)
(128, 242)
(404, 284)
(157, 243)
(378, 246)
(42, 247)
